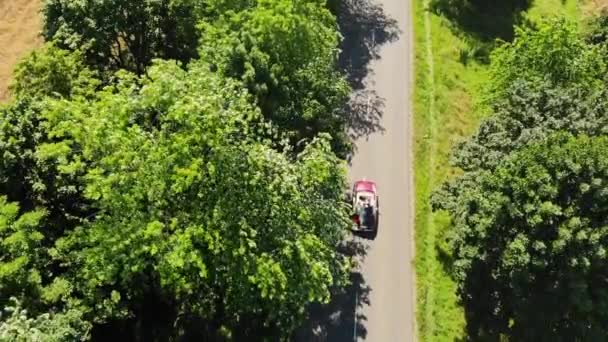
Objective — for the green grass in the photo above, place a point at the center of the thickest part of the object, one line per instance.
(444, 112)
(439, 316)
(569, 9)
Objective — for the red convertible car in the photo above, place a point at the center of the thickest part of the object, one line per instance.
(365, 206)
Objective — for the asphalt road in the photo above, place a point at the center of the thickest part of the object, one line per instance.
(377, 56)
(387, 313)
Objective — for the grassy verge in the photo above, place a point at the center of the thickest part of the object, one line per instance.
(443, 112)
(442, 108)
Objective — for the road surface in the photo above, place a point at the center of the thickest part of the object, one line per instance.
(377, 56)
(387, 158)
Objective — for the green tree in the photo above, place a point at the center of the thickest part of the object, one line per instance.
(523, 188)
(554, 50)
(22, 265)
(528, 104)
(165, 205)
(18, 326)
(597, 30)
(51, 71)
(530, 244)
(27, 179)
(529, 111)
(27, 276)
(125, 34)
(200, 226)
(285, 52)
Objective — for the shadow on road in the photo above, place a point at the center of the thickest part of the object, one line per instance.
(341, 319)
(337, 321)
(365, 28)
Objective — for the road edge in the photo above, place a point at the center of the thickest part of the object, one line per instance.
(411, 151)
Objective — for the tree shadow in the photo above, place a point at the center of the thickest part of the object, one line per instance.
(354, 249)
(446, 260)
(340, 319)
(365, 28)
(364, 110)
(482, 22)
(485, 20)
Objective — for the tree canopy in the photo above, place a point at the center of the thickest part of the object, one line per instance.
(18, 326)
(285, 53)
(120, 34)
(530, 111)
(52, 71)
(529, 103)
(553, 50)
(147, 193)
(530, 243)
(188, 210)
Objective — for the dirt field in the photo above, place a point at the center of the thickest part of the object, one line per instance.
(595, 6)
(20, 24)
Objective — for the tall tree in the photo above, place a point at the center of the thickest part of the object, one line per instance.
(52, 71)
(554, 50)
(18, 325)
(26, 177)
(125, 34)
(160, 206)
(22, 260)
(38, 202)
(531, 111)
(285, 52)
(199, 222)
(530, 244)
(528, 101)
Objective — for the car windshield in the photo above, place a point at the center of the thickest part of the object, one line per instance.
(365, 197)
